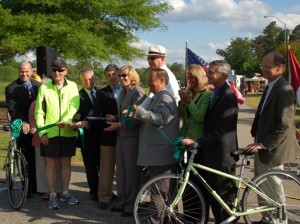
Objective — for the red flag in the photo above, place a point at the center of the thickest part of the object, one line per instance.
(295, 73)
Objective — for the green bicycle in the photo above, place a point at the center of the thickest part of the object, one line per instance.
(15, 167)
(255, 198)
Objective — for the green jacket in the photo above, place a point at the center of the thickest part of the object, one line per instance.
(53, 106)
(193, 115)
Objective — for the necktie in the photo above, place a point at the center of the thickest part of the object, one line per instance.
(27, 86)
(258, 112)
(93, 96)
(213, 99)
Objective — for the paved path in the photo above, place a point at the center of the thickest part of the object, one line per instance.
(36, 210)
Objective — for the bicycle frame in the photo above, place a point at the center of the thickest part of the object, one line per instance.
(240, 181)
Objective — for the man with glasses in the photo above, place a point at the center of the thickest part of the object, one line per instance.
(219, 137)
(56, 104)
(273, 129)
(157, 59)
(19, 95)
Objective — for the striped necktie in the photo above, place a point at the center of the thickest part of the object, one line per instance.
(258, 112)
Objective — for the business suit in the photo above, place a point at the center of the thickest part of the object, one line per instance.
(18, 101)
(106, 104)
(219, 139)
(128, 173)
(276, 130)
(155, 151)
(90, 153)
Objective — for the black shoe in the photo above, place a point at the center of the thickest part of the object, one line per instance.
(114, 209)
(103, 206)
(113, 196)
(29, 193)
(94, 197)
(126, 214)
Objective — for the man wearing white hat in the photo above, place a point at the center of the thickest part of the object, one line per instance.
(157, 59)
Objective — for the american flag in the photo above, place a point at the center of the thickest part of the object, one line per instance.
(192, 58)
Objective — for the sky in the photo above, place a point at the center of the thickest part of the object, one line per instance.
(207, 25)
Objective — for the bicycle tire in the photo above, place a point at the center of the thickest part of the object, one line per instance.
(191, 208)
(290, 200)
(17, 180)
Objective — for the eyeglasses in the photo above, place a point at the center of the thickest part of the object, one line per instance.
(58, 70)
(122, 75)
(266, 67)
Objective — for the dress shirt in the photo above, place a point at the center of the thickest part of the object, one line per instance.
(270, 84)
(117, 90)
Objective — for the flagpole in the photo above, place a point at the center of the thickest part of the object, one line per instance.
(186, 64)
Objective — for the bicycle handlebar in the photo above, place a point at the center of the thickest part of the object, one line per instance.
(5, 127)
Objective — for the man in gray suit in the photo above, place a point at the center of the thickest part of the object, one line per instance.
(273, 126)
(161, 116)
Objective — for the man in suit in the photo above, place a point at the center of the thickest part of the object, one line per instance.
(19, 96)
(273, 129)
(155, 151)
(219, 137)
(90, 152)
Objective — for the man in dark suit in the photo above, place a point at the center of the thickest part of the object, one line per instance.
(219, 137)
(19, 96)
(273, 126)
(90, 152)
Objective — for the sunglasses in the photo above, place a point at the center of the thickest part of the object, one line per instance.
(152, 58)
(122, 75)
(58, 70)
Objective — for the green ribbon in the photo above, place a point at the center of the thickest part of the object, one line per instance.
(80, 131)
(176, 145)
(127, 118)
(16, 127)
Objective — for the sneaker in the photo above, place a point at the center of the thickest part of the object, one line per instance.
(67, 197)
(53, 202)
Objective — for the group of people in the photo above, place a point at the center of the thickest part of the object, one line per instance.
(124, 129)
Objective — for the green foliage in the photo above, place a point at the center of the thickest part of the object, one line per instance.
(8, 73)
(82, 30)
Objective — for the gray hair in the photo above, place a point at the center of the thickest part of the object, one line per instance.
(222, 66)
(161, 73)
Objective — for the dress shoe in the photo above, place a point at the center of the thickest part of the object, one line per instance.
(94, 197)
(113, 196)
(259, 222)
(126, 214)
(114, 209)
(103, 205)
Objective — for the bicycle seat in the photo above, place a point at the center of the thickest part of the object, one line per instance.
(240, 152)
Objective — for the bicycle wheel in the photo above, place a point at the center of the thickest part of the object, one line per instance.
(280, 186)
(153, 200)
(17, 180)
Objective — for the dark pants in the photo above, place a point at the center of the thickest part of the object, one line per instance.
(24, 142)
(91, 160)
(227, 190)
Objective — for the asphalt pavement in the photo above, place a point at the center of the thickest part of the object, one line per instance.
(35, 210)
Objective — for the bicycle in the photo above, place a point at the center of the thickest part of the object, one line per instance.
(15, 167)
(255, 198)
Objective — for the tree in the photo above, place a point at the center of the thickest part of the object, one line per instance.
(295, 35)
(82, 30)
(271, 37)
(239, 54)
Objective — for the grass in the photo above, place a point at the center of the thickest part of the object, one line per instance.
(252, 101)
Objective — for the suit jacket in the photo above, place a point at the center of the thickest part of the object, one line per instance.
(276, 129)
(91, 135)
(105, 104)
(136, 96)
(154, 149)
(220, 129)
(18, 100)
